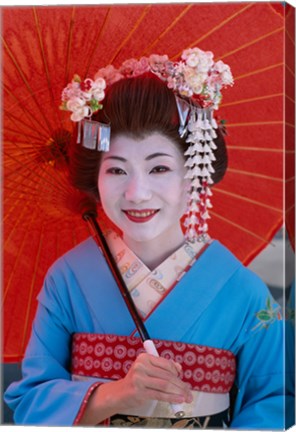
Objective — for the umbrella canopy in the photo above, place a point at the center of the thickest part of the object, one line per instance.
(43, 47)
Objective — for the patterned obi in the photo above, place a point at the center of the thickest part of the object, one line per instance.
(209, 371)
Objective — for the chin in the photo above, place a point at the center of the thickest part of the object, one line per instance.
(139, 238)
(141, 234)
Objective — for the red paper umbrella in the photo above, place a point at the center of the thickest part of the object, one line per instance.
(43, 47)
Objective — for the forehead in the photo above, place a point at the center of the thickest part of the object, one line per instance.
(128, 146)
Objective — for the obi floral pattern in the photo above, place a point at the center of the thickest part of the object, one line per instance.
(206, 369)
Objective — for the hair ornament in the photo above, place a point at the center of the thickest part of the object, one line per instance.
(196, 80)
(200, 155)
(83, 99)
(96, 135)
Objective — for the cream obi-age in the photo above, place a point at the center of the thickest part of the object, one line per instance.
(209, 371)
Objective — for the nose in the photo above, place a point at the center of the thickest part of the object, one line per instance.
(137, 189)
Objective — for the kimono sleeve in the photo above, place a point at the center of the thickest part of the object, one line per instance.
(46, 395)
(261, 375)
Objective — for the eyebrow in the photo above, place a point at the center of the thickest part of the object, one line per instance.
(148, 158)
(115, 158)
(155, 155)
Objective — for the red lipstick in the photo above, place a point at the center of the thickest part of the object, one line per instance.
(140, 216)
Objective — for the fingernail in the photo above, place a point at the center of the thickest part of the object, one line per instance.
(180, 399)
(178, 366)
(179, 369)
(189, 397)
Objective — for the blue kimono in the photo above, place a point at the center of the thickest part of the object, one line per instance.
(218, 303)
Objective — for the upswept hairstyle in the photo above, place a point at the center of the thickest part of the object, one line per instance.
(136, 107)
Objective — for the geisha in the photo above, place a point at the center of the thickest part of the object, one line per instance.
(85, 364)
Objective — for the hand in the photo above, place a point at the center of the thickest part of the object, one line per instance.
(149, 378)
(152, 378)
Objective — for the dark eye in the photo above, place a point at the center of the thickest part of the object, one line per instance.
(115, 171)
(160, 169)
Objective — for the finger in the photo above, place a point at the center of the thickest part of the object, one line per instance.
(168, 391)
(165, 397)
(160, 368)
(165, 364)
(167, 377)
(172, 387)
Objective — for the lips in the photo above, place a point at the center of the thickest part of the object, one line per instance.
(140, 216)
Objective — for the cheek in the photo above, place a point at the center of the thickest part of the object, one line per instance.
(100, 185)
(184, 189)
(104, 190)
(178, 194)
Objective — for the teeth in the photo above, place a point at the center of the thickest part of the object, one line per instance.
(141, 214)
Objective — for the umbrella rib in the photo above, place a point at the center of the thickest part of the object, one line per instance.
(56, 185)
(41, 154)
(26, 189)
(31, 154)
(23, 200)
(34, 174)
(25, 154)
(101, 30)
(18, 132)
(15, 358)
(215, 28)
(249, 200)
(173, 23)
(257, 71)
(47, 187)
(252, 42)
(38, 30)
(20, 215)
(287, 33)
(127, 38)
(25, 151)
(292, 72)
(292, 178)
(240, 227)
(290, 208)
(287, 96)
(264, 149)
(56, 195)
(18, 68)
(69, 44)
(251, 174)
(275, 122)
(241, 101)
(23, 108)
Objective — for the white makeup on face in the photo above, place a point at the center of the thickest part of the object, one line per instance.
(142, 189)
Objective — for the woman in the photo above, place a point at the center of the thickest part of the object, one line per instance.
(200, 305)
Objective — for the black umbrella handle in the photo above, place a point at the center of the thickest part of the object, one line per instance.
(102, 244)
(147, 342)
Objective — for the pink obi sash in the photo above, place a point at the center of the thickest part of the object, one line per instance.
(206, 369)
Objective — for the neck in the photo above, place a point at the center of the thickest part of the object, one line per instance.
(152, 253)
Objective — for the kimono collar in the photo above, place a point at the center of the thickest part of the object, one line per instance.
(148, 287)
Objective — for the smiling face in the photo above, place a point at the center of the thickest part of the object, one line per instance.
(142, 188)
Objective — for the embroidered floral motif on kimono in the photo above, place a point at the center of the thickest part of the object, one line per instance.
(269, 315)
